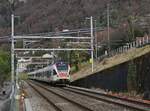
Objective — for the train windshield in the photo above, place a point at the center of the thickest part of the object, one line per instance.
(61, 66)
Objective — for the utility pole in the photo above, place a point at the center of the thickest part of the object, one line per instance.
(108, 31)
(12, 51)
(17, 72)
(92, 48)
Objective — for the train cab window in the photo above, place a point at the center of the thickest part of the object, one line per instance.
(54, 72)
(62, 66)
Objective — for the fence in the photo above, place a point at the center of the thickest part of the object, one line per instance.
(139, 42)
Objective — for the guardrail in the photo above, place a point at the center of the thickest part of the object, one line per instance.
(139, 42)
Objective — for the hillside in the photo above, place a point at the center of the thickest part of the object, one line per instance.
(49, 15)
(111, 62)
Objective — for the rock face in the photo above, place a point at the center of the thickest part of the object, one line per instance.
(132, 75)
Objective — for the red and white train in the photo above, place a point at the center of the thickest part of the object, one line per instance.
(57, 73)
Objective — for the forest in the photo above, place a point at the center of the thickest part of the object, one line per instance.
(38, 16)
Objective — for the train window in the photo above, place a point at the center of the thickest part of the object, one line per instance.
(54, 72)
(47, 74)
(50, 73)
(44, 74)
(62, 66)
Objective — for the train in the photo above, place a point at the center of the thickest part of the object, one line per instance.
(56, 73)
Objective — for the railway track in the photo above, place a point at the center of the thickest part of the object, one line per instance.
(81, 99)
(129, 103)
(59, 102)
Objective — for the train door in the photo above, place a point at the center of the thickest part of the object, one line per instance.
(54, 75)
(49, 75)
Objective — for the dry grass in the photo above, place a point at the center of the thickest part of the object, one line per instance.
(110, 62)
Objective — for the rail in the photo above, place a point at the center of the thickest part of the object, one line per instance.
(74, 94)
(129, 103)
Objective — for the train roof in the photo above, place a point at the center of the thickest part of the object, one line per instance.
(41, 70)
(46, 68)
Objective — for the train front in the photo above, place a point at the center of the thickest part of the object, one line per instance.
(63, 76)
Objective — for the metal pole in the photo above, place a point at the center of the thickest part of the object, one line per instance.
(12, 51)
(78, 35)
(17, 72)
(47, 37)
(108, 25)
(92, 37)
(24, 43)
(46, 49)
(53, 55)
(12, 64)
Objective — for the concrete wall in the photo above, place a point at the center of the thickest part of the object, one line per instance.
(111, 79)
(117, 77)
(143, 72)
